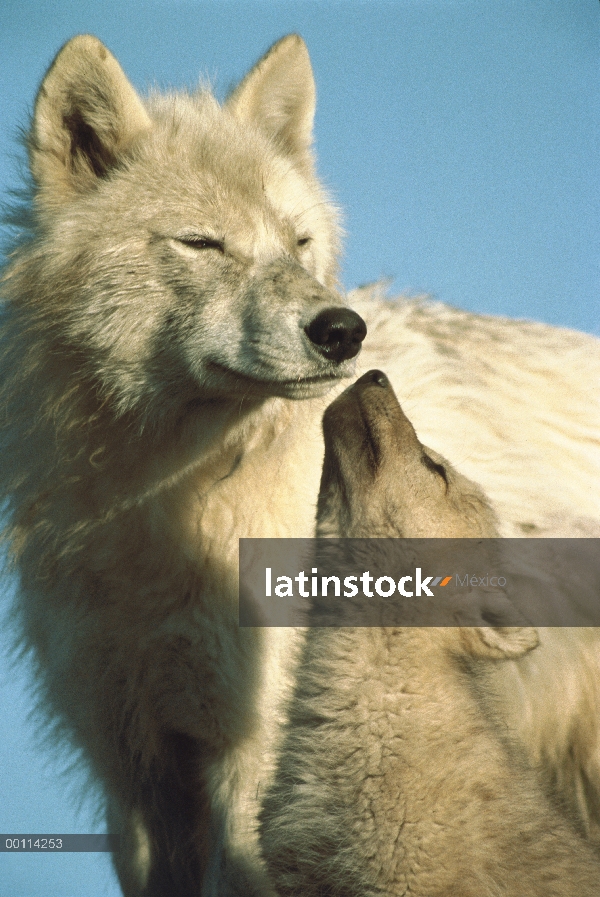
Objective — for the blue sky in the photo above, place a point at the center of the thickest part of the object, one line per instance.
(460, 137)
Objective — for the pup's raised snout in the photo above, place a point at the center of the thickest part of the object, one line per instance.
(337, 333)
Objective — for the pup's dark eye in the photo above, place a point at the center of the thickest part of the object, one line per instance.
(435, 467)
(202, 243)
(304, 241)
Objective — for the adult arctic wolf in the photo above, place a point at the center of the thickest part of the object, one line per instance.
(172, 330)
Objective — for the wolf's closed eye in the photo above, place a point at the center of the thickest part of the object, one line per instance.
(202, 243)
(435, 467)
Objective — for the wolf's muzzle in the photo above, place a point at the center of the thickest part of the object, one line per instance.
(337, 333)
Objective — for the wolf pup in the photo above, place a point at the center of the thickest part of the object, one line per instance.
(396, 776)
(175, 296)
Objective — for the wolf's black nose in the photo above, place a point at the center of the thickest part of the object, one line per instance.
(337, 333)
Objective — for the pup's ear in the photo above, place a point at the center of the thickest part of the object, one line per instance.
(501, 630)
(86, 116)
(500, 641)
(278, 95)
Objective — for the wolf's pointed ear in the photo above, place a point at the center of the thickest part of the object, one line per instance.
(86, 116)
(278, 95)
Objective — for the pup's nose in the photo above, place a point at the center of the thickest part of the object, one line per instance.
(337, 333)
(375, 376)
